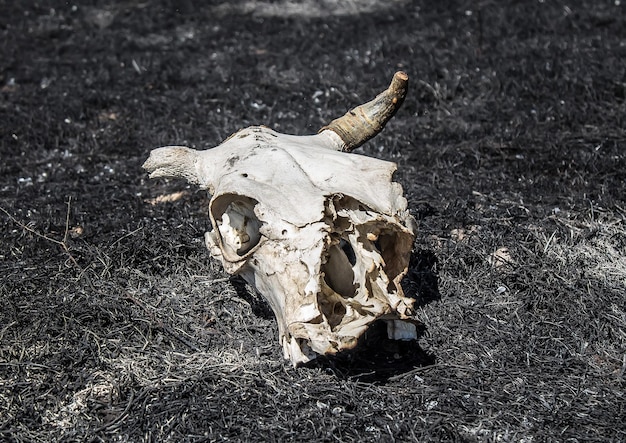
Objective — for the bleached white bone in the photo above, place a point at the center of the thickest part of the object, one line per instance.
(324, 235)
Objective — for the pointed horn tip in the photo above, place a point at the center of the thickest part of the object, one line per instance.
(402, 76)
(399, 83)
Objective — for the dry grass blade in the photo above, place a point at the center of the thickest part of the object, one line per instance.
(62, 243)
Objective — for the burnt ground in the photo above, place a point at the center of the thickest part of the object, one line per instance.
(117, 326)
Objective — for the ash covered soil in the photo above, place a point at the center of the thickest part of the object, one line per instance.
(115, 323)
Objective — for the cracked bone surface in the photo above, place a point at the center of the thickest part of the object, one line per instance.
(323, 235)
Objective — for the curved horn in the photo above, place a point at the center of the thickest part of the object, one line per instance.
(365, 121)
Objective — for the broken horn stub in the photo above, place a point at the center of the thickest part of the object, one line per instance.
(323, 235)
(172, 161)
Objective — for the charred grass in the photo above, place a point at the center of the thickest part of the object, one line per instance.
(116, 325)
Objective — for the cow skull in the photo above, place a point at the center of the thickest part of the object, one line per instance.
(324, 235)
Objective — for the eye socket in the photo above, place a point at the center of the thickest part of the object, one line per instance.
(238, 224)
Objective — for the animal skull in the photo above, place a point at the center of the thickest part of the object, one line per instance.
(324, 235)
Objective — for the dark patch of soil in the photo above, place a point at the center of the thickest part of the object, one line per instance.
(116, 324)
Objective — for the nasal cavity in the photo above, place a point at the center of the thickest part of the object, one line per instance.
(338, 272)
(346, 247)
